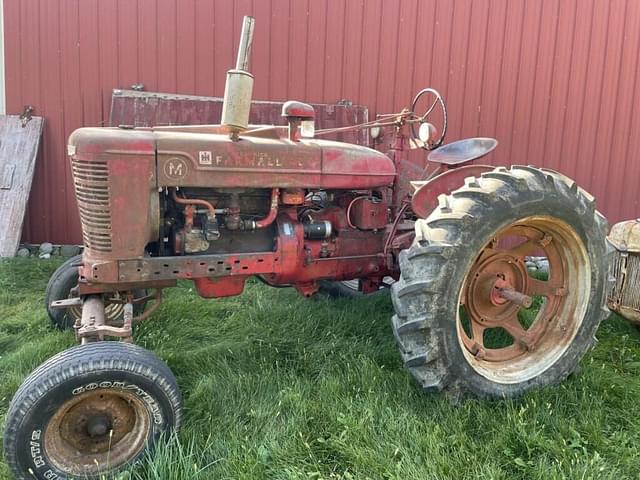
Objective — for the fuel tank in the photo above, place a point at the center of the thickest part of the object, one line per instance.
(263, 157)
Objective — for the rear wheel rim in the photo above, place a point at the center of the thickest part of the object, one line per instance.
(560, 301)
(97, 431)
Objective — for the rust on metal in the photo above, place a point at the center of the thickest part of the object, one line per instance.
(624, 294)
(503, 292)
(192, 201)
(425, 197)
(96, 431)
(113, 307)
(499, 285)
(92, 321)
(273, 211)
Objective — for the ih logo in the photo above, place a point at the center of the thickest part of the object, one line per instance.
(175, 168)
(205, 158)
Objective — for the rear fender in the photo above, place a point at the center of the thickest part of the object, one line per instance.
(425, 198)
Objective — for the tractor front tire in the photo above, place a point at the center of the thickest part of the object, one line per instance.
(463, 320)
(90, 411)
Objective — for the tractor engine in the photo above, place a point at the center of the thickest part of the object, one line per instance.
(209, 221)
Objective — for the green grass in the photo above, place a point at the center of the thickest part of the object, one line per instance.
(280, 387)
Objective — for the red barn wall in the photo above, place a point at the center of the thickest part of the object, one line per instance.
(554, 80)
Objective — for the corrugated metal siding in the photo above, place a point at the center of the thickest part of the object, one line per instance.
(554, 80)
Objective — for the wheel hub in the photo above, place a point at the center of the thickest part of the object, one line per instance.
(484, 298)
(503, 292)
(97, 430)
(495, 296)
(98, 425)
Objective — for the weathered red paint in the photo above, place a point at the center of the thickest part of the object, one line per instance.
(117, 254)
(219, 287)
(273, 210)
(366, 213)
(298, 110)
(307, 163)
(295, 261)
(109, 208)
(425, 199)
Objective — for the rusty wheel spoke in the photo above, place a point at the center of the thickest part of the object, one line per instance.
(546, 289)
(477, 343)
(536, 330)
(478, 332)
(513, 327)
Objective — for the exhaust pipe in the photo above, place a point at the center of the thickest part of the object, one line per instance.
(239, 86)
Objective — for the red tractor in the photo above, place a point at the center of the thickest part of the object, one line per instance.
(220, 204)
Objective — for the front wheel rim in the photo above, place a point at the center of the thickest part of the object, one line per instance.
(498, 271)
(97, 432)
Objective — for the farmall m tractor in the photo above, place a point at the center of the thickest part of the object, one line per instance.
(220, 204)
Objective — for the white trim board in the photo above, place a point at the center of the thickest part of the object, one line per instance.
(3, 104)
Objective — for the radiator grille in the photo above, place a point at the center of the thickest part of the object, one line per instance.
(91, 181)
(626, 288)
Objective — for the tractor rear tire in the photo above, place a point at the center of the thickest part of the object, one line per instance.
(90, 411)
(59, 288)
(447, 299)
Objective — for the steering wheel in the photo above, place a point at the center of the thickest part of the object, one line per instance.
(422, 133)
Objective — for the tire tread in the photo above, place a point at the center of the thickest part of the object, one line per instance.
(423, 286)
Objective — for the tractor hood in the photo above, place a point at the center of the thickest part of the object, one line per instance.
(263, 157)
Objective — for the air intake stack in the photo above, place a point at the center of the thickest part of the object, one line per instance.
(239, 86)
